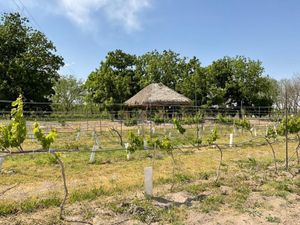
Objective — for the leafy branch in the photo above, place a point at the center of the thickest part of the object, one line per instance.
(14, 133)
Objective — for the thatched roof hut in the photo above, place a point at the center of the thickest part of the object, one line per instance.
(157, 94)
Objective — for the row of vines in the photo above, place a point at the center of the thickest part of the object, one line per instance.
(13, 135)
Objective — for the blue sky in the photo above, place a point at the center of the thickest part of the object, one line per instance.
(85, 30)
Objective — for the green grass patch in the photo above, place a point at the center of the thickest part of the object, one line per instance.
(273, 219)
(212, 203)
(196, 188)
(28, 205)
(240, 196)
(81, 195)
(277, 188)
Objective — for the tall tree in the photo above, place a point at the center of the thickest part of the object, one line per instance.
(193, 82)
(240, 81)
(28, 63)
(114, 81)
(69, 92)
(155, 67)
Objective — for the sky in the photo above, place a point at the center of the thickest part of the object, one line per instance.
(84, 31)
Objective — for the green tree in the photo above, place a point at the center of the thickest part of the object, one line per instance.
(240, 81)
(154, 67)
(114, 81)
(69, 92)
(28, 63)
(193, 82)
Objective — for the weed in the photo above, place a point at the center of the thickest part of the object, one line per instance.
(240, 197)
(183, 178)
(196, 188)
(212, 203)
(277, 188)
(28, 205)
(80, 195)
(146, 212)
(273, 219)
(8, 208)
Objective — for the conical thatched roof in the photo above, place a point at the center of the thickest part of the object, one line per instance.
(158, 95)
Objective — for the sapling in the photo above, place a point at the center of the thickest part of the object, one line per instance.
(211, 140)
(14, 133)
(243, 124)
(165, 143)
(134, 142)
(272, 134)
(293, 127)
(45, 139)
(178, 126)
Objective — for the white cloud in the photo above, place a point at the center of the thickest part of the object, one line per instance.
(121, 12)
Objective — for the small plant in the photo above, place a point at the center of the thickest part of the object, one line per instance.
(212, 203)
(243, 123)
(130, 122)
(213, 136)
(273, 219)
(14, 134)
(158, 117)
(178, 126)
(134, 142)
(45, 140)
(272, 134)
(211, 140)
(224, 119)
(293, 126)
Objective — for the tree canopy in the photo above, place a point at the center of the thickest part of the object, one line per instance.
(227, 82)
(28, 63)
(69, 92)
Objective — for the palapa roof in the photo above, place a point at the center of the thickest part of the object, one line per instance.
(157, 94)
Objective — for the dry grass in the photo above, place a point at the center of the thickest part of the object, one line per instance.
(245, 169)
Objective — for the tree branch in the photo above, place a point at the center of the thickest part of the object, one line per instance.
(274, 155)
(221, 160)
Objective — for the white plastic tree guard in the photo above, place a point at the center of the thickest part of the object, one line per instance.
(93, 153)
(148, 181)
(230, 140)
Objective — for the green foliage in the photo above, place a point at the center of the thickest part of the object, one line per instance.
(240, 196)
(273, 219)
(178, 126)
(243, 123)
(158, 117)
(28, 63)
(68, 92)
(135, 142)
(196, 119)
(81, 195)
(114, 81)
(183, 178)
(293, 125)
(130, 122)
(212, 203)
(45, 140)
(213, 136)
(224, 119)
(166, 144)
(14, 134)
(239, 80)
(28, 205)
(271, 133)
